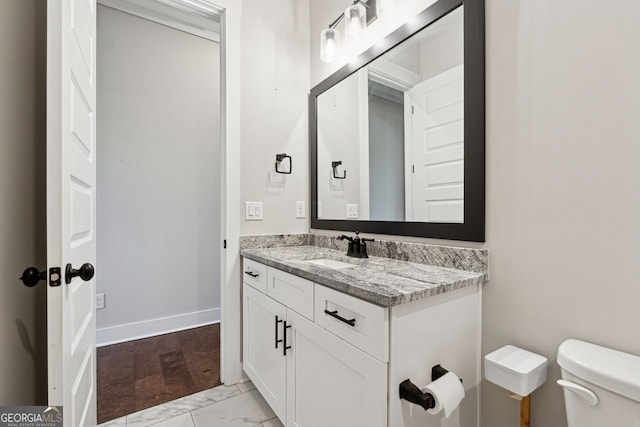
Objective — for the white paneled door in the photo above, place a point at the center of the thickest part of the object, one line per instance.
(437, 141)
(71, 207)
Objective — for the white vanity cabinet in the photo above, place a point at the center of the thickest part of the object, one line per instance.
(330, 382)
(318, 369)
(323, 358)
(263, 360)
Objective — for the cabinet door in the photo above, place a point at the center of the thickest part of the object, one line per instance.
(263, 358)
(330, 382)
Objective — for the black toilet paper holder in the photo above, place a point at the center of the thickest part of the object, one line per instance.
(412, 393)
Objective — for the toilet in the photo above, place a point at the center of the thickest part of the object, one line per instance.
(601, 385)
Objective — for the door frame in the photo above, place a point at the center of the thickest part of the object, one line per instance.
(230, 299)
(229, 12)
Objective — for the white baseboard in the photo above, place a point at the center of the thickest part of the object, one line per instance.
(152, 327)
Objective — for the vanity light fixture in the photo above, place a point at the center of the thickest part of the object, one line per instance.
(356, 20)
(357, 16)
(329, 41)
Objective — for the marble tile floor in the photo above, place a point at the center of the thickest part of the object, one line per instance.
(222, 406)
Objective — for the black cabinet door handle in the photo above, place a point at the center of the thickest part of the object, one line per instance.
(286, 347)
(252, 274)
(277, 340)
(351, 322)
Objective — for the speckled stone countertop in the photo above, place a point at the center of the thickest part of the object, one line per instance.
(382, 281)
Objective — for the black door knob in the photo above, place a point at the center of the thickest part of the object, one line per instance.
(85, 272)
(31, 276)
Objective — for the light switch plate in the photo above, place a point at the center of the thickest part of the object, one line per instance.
(253, 211)
(300, 210)
(352, 210)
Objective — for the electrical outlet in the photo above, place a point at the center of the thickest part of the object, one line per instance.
(300, 211)
(99, 301)
(253, 211)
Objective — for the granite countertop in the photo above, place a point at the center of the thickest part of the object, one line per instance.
(382, 281)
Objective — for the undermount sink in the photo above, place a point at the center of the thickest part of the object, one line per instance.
(330, 263)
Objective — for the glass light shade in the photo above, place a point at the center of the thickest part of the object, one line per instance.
(381, 8)
(329, 40)
(355, 20)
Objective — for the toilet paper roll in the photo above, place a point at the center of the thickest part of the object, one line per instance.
(447, 391)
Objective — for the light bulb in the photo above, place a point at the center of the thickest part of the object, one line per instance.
(355, 20)
(329, 40)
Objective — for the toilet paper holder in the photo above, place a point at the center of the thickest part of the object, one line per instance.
(412, 393)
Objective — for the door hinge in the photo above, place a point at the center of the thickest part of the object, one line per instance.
(224, 244)
(413, 168)
(55, 276)
(413, 109)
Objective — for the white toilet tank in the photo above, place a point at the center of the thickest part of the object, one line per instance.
(601, 385)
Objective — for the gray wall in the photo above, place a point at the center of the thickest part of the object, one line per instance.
(23, 378)
(562, 180)
(273, 109)
(158, 177)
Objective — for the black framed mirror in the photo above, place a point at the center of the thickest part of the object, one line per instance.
(397, 136)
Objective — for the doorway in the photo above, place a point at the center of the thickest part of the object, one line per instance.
(159, 203)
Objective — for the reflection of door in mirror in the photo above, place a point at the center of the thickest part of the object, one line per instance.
(434, 142)
(436, 137)
(423, 80)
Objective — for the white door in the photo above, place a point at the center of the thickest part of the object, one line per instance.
(71, 177)
(437, 148)
(263, 347)
(330, 382)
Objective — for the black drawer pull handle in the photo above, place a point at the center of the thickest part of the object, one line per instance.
(252, 274)
(335, 314)
(286, 347)
(278, 321)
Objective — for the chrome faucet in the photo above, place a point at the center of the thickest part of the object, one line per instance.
(357, 246)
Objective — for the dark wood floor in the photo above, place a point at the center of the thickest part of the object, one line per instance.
(139, 374)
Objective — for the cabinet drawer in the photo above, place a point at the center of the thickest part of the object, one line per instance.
(292, 291)
(358, 322)
(255, 274)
